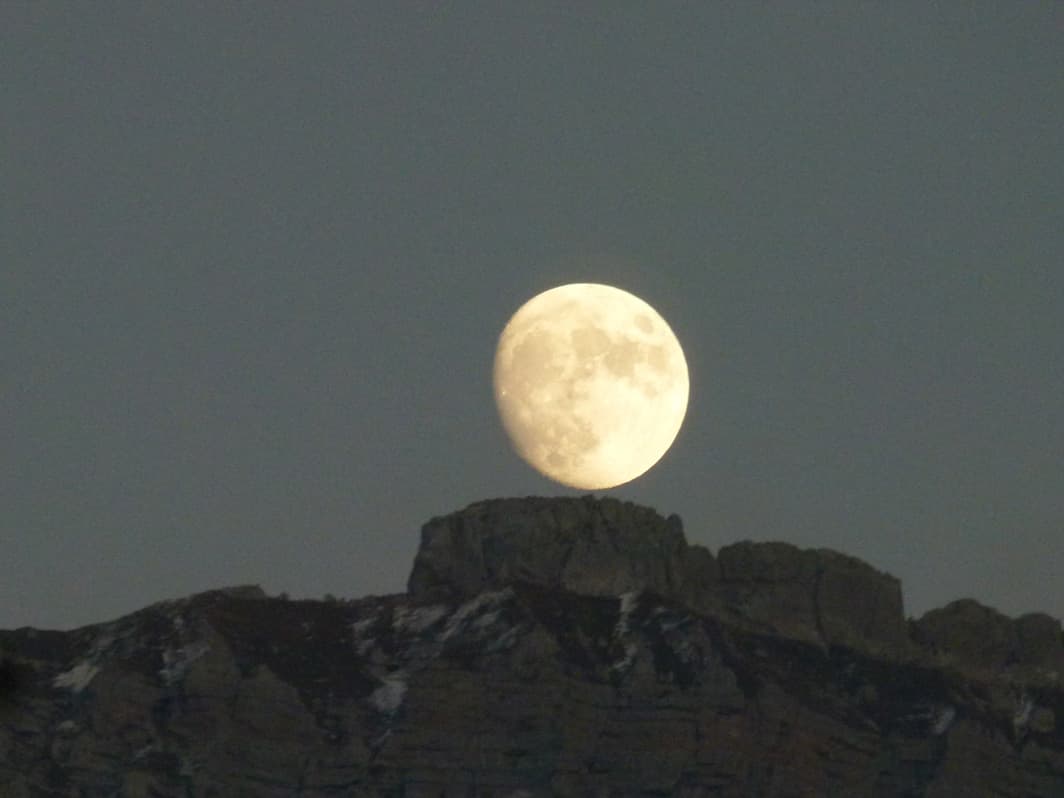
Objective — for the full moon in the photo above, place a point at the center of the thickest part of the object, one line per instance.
(591, 385)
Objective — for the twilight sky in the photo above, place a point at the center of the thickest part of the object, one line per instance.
(254, 260)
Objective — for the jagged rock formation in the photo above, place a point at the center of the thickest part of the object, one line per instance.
(572, 647)
(603, 547)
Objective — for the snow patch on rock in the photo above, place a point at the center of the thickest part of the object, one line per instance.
(77, 678)
(360, 631)
(629, 601)
(468, 612)
(389, 696)
(360, 628)
(943, 720)
(176, 662)
(418, 619)
(1021, 718)
(622, 630)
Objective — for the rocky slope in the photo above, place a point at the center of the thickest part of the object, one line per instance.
(546, 647)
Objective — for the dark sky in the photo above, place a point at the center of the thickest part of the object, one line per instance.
(254, 259)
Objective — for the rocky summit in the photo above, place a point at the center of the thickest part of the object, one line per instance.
(546, 647)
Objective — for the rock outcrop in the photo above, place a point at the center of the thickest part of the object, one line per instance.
(817, 595)
(975, 636)
(603, 547)
(598, 547)
(571, 647)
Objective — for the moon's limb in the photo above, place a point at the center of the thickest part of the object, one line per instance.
(591, 385)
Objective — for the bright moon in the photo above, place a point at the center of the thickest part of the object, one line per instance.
(591, 385)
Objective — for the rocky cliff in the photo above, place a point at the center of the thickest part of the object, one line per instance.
(546, 647)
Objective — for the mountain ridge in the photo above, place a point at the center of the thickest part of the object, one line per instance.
(574, 646)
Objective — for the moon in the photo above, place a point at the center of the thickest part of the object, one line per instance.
(591, 385)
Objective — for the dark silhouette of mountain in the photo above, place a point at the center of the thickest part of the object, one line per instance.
(568, 647)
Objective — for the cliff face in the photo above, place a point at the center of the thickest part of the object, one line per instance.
(546, 647)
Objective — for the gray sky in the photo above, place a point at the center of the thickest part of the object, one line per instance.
(254, 260)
